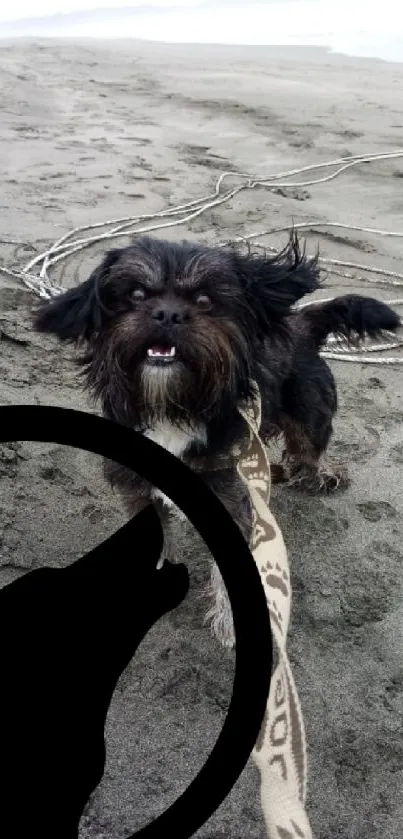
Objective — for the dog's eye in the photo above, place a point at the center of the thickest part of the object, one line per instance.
(203, 301)
(138, 294)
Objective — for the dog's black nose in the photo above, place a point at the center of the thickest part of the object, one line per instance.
(170, 314)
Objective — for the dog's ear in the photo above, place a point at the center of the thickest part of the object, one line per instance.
(273, 284)
(78, 313)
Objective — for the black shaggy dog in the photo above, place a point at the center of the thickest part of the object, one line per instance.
(173, 335)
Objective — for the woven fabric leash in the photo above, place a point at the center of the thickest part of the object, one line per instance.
(280, 752)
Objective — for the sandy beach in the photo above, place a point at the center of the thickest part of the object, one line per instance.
(98, 130)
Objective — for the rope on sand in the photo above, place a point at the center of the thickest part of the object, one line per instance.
(41, 284)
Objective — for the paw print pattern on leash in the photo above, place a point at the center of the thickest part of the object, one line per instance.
(280, 752)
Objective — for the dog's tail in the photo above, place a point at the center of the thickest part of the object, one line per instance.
(351, 317)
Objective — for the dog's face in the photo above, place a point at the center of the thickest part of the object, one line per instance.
(175, 326)
(175, 323)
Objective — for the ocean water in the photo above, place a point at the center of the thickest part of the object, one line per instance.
(357, 28)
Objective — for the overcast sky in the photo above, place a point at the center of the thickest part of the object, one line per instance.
(356, 27)
(38, 8)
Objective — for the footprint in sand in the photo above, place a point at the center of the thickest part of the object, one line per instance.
(372, 589)
(376, 510)
(396, 453)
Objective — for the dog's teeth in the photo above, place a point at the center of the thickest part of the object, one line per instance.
(154, 352)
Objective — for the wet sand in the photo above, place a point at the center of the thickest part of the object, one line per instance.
(95, 130)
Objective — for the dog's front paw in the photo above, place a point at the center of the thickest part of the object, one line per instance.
(322, 480)
(223, 631)
(333, 480)
(219, 616)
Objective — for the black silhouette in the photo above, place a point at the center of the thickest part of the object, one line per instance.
(67, 635)
(61, 656)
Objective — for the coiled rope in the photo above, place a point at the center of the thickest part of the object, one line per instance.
(35, 274)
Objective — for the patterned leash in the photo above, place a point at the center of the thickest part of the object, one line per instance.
(280, 752)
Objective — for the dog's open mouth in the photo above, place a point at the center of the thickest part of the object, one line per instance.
(161, 354)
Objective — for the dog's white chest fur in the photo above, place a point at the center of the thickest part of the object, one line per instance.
(177, 441)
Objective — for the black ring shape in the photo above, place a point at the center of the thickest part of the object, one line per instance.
(253, 654)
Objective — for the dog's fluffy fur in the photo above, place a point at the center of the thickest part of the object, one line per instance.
(229, 316)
